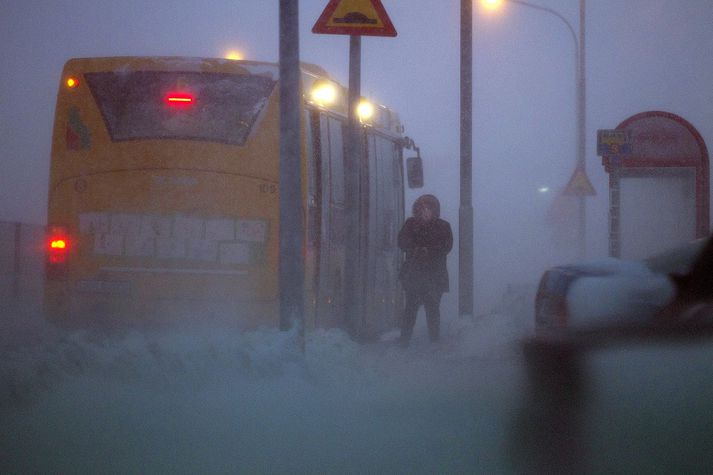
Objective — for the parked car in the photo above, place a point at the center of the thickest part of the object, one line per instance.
(616, 292)
(665, 298)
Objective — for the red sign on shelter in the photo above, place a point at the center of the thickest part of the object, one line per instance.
(668, 152)
(355, 17)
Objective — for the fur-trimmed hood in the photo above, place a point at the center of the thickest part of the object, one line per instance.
(427, 200)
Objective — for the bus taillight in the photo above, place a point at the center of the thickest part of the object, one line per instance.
(58, 251)
(58, 246)
(179, 99)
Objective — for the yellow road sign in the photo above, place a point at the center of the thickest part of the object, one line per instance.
(579, 184)
(355, 17)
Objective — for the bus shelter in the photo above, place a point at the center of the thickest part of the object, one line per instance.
(658, 183)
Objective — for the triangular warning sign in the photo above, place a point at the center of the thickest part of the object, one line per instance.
(355, 17)
(579, 184)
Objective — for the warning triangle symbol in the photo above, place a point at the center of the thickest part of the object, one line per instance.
(355, 17)
(579, 184)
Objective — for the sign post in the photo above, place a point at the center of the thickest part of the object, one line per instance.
(291, 277)
(355, 18)
(352, 306)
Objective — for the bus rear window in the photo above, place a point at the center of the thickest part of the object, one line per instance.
(214, 107)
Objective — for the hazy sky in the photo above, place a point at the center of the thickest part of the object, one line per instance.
(641, 55)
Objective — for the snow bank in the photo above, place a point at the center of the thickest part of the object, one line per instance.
(630, 294)
(38, 358)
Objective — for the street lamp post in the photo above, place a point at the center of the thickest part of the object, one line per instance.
(580, 101)
(465, 212)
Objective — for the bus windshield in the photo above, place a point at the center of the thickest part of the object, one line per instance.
(207, 106)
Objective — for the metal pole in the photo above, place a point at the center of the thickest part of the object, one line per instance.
(352, 307)
(581, 130)
(580, 110)
(291, 278)
(465, 212)
(552, 12)
(17, 269)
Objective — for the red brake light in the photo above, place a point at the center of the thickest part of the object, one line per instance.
(58, 244)
(179, 99)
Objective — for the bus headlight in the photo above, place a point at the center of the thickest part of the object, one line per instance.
(324, 93)
(365, 110)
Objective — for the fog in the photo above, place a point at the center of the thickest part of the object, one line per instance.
(213, 400)
(641, 55)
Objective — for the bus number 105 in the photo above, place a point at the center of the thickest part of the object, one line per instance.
(270, 188)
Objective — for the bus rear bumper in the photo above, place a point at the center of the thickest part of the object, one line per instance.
(84, 309)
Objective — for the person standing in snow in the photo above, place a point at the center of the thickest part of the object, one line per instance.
(426, 239)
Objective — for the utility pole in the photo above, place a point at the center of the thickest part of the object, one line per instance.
(465, 212)
(291, 278)
(580, 112)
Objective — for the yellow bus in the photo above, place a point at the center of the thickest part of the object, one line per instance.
(163, 195)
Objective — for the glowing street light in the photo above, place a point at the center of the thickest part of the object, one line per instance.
(492, 4)
(234, 55)
(580, 80)
(465, 211)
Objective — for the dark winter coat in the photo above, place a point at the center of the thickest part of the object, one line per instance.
(426, 245)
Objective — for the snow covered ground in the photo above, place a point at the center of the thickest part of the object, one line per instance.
(212, 400)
